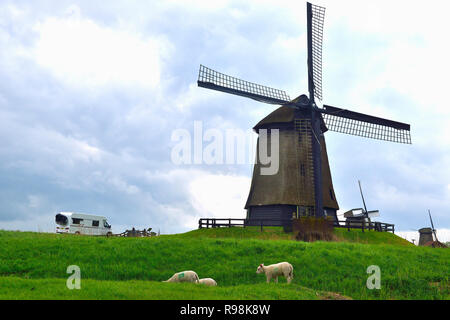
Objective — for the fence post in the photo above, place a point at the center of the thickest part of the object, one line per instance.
(261, 225)
(362, 226)
(229, 223)
(199, 223)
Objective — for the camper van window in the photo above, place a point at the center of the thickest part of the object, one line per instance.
(76, 221)
(95, 223)
(61, 219)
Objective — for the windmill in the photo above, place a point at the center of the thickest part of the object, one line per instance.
(426, 236)
(302, 185)
(360, 214)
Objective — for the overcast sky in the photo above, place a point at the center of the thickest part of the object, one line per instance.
(91, 92)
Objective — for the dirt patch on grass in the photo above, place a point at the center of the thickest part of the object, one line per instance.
(443, 287)
(333, 296)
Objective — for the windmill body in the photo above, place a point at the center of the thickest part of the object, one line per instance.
(426, 236)
(303, 184)
(290, 192)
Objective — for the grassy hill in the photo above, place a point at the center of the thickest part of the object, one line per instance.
(33, 265)
(276, 233)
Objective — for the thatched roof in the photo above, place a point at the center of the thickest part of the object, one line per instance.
(284, 116)
(281, 115)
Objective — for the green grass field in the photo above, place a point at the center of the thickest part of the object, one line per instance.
(33, 266)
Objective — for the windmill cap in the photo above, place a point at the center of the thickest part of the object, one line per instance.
(282, 115)
(425, 230)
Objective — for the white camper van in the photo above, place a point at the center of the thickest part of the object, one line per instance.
(80, 223)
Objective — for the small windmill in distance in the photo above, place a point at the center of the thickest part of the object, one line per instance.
(426, 236)
(360, 214)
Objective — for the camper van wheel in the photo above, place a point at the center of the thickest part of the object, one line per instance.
(77, 232)
(109, 234)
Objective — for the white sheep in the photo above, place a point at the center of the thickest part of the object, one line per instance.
(208, 282)
(184, 276)
(279, 269)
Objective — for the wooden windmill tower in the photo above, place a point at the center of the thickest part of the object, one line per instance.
(303, 184)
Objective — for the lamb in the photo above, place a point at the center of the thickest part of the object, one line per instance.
(184, 276)
(274, 270)
(208, 282)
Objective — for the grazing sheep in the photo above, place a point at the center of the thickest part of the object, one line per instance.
(184, 276)
(208, 282)
(274, 270)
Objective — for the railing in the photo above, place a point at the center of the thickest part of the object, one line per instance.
(231, 222)
(218, 223)
(365, 225)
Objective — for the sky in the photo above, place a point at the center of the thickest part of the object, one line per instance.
(92, 93)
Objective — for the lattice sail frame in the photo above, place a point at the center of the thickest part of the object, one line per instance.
(212, 79)
(366, 129)
(318, 18)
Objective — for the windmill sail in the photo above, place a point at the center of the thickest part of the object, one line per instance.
(362, 196)
(432, 226)
(315, 21)
(211, 79)
(373, 213)
(359, 124)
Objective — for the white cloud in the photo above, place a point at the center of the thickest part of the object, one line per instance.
(34, 201)
(60, 149)
(192, 97)
(121, 185)
(209, 195)
(82, 52)
(219, 196)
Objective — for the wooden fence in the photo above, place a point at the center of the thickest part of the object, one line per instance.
(231, 222)
(364, 225)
